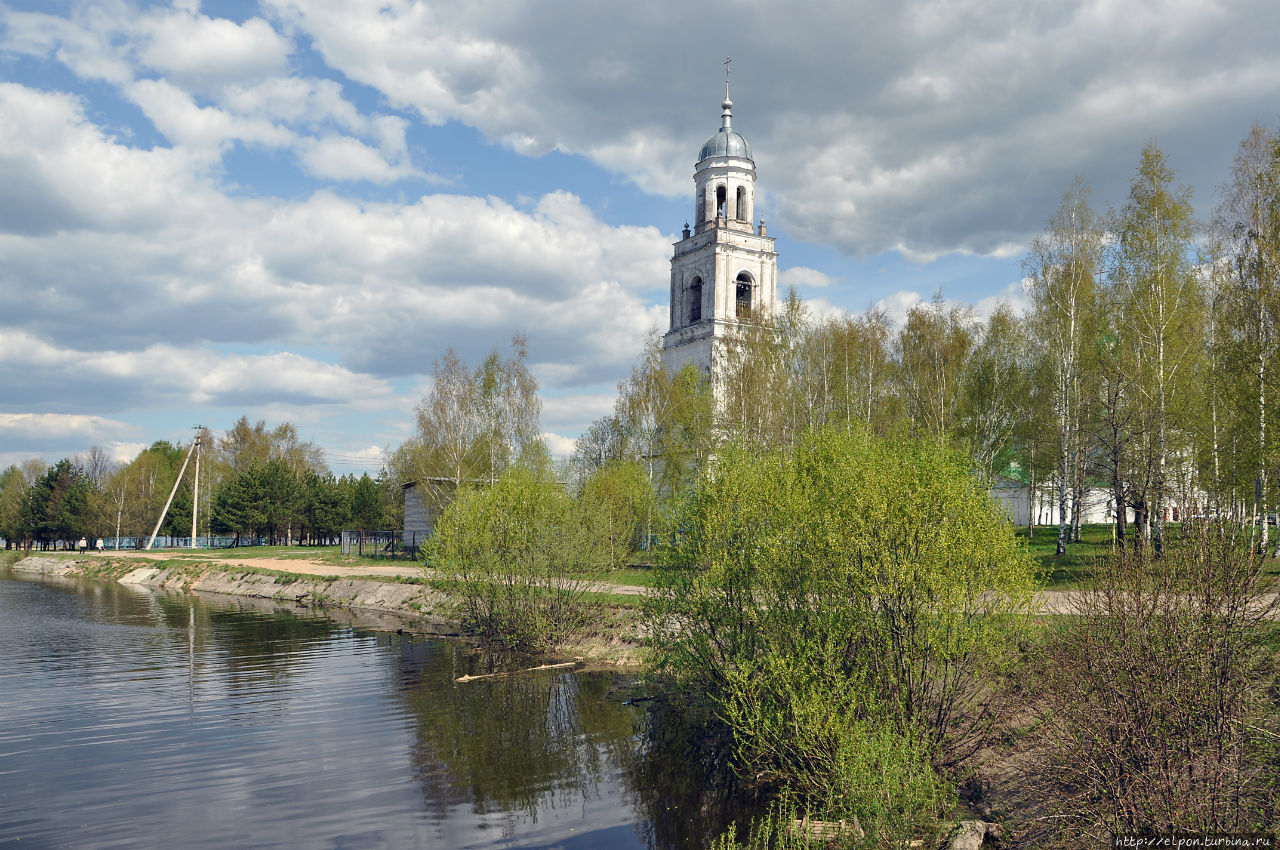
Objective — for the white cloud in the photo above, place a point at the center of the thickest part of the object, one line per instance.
(345, 158)
(201, 51)
(381, 288)
(1014, 296)
(294, 100)
(991, 106)
(803, 276)
(820, 309)
(169, 374)
(123, 452)
(897, 305)
(571, 413)
(87, 42)
(59, 426)
(558, 446)
(182, 121)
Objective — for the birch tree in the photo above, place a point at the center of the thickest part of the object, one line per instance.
(1247, 227)
(1159, 307)
(1062, 268)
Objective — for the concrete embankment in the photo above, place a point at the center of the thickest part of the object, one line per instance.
(415, 605)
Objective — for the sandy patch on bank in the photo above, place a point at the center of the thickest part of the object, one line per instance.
(285, 565)
(304, 566)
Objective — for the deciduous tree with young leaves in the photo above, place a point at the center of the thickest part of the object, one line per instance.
(1062, 268)
(1160, 312)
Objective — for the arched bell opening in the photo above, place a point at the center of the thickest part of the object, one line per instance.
(743, 295)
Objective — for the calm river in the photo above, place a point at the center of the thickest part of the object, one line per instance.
(135, 718)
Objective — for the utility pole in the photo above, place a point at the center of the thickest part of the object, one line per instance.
(195, 443)
(195, 487)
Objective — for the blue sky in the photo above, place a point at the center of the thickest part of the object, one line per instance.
(288, 209)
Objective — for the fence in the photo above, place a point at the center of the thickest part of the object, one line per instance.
(383, 544)
(162, 542)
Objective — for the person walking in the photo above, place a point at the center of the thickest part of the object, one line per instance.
(100, 545)
(84, 544)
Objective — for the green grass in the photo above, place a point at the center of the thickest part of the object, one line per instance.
(322, 554)
(633, 575)
(1076, 569)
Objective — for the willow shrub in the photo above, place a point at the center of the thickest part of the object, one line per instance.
(521, 555)
(840, 606)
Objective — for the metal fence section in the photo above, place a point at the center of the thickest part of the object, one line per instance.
(111, 544)
(383, 544)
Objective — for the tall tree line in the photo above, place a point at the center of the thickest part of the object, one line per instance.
(256, 483)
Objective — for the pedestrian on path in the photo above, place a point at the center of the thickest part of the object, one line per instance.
(84, 544)
(100, 545)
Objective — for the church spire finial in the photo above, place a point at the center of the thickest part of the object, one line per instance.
(726, 117)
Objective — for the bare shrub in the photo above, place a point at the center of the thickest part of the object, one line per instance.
(1160, 703)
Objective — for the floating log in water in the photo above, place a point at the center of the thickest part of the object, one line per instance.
(514, 672)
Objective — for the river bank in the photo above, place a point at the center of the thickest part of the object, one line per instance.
(389, 598)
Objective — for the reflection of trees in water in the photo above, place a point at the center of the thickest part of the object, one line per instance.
(681, 783)
(513, 744)
(248, 650)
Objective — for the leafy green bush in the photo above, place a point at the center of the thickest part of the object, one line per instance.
(841, 607)
(521, 554)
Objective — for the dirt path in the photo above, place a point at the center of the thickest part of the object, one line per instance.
(285, 565)
(306, 566)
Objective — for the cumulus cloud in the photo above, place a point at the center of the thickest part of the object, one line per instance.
(558, 445)
(384, 285)
(176, 114)
(898, 305)
(33, 426)
(802, 276)
(955, 127)
(1014, 296)
(65, 379)
(205, 52)
(345, 158)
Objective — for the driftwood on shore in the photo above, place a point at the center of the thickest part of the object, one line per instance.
(469, 678)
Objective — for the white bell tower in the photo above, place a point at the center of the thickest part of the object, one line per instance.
(725, 270)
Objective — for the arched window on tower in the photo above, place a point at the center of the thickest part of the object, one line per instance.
(742, 205)
(720, 200)
(702, 205)
(695, 300)
(743, 295)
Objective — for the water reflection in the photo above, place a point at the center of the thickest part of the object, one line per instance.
(138, 717)
(513, 744)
